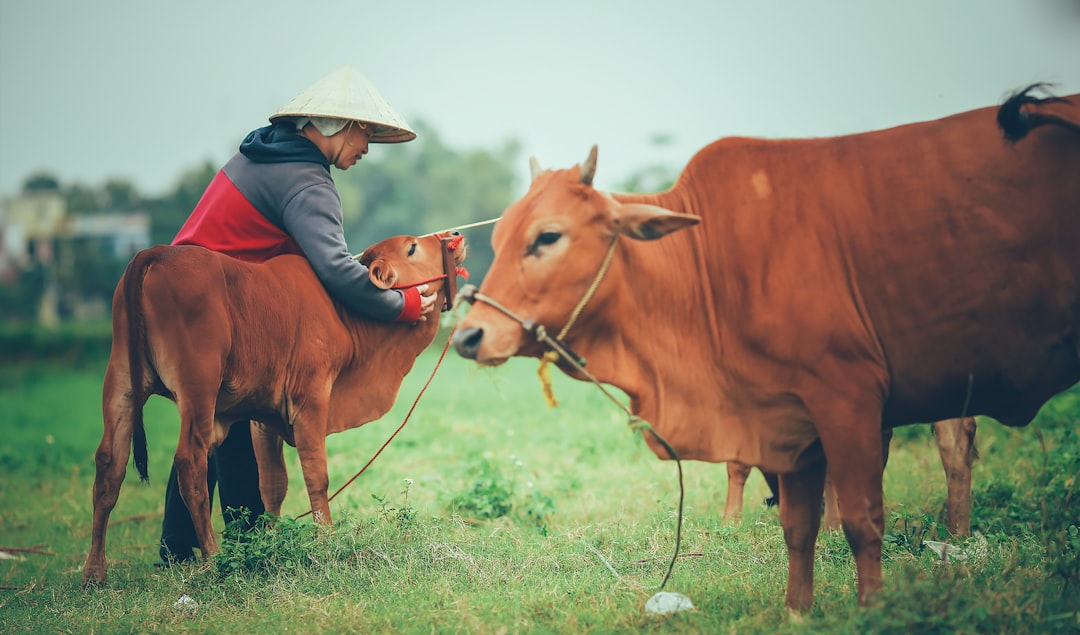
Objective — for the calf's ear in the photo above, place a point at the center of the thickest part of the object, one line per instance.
(382, 274)
(648, 222)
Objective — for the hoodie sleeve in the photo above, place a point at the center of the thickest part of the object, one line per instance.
(313, 218)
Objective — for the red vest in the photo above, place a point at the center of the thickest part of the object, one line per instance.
(225, 221)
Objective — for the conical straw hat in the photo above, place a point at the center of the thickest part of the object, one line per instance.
(347, 94)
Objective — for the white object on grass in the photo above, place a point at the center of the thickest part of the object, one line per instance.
(949, 553)
(185, 603)
(668, 602)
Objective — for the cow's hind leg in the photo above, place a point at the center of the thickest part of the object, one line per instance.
(111, 466)
(956, 444)
(737, 474)
(800, 515)
(192, 451)
(831, 521)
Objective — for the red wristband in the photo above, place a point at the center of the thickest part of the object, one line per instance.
(411, 312)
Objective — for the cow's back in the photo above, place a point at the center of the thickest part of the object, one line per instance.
(969, 268)
(214, 318)
(937, 250)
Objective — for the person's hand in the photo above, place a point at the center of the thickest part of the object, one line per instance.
(427, 301)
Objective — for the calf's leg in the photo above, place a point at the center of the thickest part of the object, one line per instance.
(310, 433)
(111, 466)
(192, 454)
(178, 537)
(273, 476)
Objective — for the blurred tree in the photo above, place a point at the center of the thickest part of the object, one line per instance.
(120, 196)
(82, 199)
(20, 299)
(89, 269)
(654, 177)
(41, 181)
(649, 179)
(168, 213)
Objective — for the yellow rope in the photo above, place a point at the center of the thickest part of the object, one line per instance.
(545, 377)
(592, 287)
(552, 356)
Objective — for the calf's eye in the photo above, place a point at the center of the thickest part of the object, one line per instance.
(412, 249)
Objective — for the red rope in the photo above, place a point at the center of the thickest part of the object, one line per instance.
(449, 338)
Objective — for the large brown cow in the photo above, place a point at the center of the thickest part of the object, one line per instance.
(823, 290)
(229, 340)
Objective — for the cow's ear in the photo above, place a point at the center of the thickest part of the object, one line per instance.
(382, 274)
(648, 222)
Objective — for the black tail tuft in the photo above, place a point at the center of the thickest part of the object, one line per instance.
(1016, 123)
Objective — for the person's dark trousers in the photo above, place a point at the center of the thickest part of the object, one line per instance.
(232, 467)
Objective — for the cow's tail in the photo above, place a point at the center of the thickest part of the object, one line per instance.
(1016, 122)
(136, 332)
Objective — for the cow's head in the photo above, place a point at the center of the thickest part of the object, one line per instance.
(407, 261)
(549, 248)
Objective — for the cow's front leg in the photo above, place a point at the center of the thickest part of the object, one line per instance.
(832, 505)
(856, 463)
(273, 476)
(310, 434)
(800, 515)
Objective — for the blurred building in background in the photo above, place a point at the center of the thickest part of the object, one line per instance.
(56, 266)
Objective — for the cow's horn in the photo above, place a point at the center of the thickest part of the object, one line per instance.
(534, 167)
(588, 169)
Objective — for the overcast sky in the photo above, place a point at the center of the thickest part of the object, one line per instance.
(95, 89)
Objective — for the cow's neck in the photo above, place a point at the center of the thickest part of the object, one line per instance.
(380, 357)
(658, 339)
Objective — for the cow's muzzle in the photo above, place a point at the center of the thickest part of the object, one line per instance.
(467, 341)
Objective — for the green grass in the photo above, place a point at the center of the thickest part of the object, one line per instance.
(491, 513)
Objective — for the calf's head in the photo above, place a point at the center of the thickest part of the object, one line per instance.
(550, 247)
(408, 261)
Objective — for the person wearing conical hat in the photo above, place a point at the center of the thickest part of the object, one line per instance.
(276, 196)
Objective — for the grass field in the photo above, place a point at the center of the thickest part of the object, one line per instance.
(492, 513)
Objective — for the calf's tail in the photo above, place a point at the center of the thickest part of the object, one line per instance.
(136, 332)
(1016, 122)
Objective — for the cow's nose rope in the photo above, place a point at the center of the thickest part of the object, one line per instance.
(558, 348)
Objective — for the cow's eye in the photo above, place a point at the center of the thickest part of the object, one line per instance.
(544, 239)
(412, 249)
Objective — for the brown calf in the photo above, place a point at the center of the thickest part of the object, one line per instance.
(229, 341)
